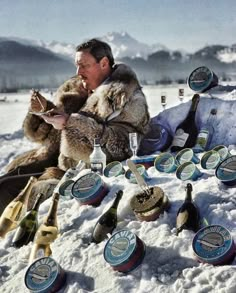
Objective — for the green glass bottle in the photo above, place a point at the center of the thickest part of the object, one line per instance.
(107, 222)
(28, 225)
(188, 214)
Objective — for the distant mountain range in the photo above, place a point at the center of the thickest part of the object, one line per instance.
(30, 63)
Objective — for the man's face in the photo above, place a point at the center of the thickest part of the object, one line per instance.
(93, 73)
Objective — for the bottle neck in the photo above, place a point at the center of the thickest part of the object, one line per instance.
(117, 199)
(25, 193)
(195, 101)
(37, 202)
(51, 219)
(188, 196)
(212, 116)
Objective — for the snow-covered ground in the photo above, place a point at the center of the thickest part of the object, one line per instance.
(169, 264)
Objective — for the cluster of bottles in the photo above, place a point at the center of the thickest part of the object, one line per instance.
(187, 134)
(15, 216)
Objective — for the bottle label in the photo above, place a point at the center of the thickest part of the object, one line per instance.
(180, 138)
(97, 167)
(202, 138)
(100, 232)
(46, 234)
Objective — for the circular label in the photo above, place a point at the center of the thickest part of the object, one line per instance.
(42, 275)
(86, 186)
(165, 163)
(120, 247)
(212, 243)
(200, 79)
(226, 171)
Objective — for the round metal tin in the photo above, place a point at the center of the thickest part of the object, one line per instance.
(45, 275)
(186, 155)
(142, 171)
(89, 189)
(65, 189)
(210, 160)
(149, 208)
(202, 79)
(114, 169)
(226, 171)
(214, 245)
(223, 151)
(124, 251)
(146, 161)
(165, 162)
(188, 171)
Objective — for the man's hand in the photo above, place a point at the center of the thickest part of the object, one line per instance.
(56, 118)
(37, 102)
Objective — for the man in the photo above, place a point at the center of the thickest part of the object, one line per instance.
(103, 101)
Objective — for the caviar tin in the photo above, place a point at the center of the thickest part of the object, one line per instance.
(124, 251)
(210, 160)
(114, 169)
(165, 162)
(226, 171)
(214, 245)
(223, 151)
(202, 79)
(148, 208)
(186, 155)
(146, 161)
(45, 275)
(89, 189)
(142, 171)
(188, 171)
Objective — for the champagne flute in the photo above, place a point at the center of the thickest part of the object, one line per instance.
(133, 143)
(163, 100)
(181, 95)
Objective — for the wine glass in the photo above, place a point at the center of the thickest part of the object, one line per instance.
(163, 100)
(181, 95)
(133, 143)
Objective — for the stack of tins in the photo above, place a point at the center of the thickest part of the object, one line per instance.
(45, 275)
(124, 251)
(89, 189)
(148, 208)
(214, 245)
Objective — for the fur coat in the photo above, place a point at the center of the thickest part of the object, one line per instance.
(115, 108)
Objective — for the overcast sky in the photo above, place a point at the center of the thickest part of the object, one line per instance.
(185, 24)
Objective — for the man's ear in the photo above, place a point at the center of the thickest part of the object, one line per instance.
(104, 62)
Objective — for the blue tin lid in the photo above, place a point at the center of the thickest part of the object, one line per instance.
(201, 79)
(44, 275)
(113, 169)
(226, 171)
(210, 160)
(213, 244)
(86, 186)
(142, 171)
(186, 155)
(223, 151)
(165, 162)
(188, 171)
(120, 247)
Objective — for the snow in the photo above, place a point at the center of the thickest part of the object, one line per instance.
(169, 264)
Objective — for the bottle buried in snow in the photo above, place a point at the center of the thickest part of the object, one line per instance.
(28, 225)
(16, 209)
(107, 222)
(188, 215)
(47, 232)
(187, 131)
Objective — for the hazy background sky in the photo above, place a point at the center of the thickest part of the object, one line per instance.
(185, 24)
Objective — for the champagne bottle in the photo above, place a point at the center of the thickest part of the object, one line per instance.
(107, 222)
(16, 209)
(188, 215)
(47, 232)
(28, 226)
(97, 158)
(186, 132)
(205, 134)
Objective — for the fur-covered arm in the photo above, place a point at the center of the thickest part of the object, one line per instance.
(35, 128)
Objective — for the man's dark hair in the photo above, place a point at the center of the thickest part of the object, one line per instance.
(97, 49)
